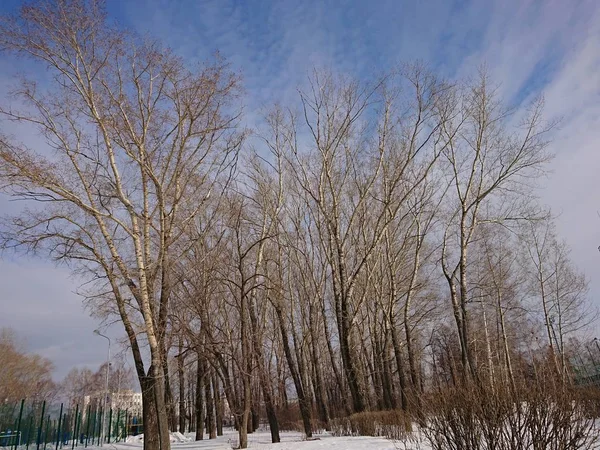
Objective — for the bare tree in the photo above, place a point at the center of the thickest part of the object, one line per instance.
(559, 289)
(358, 175)
(134, 140)
(491, 169)
(317, 260)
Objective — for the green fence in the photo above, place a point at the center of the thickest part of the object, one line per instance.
(42, 425)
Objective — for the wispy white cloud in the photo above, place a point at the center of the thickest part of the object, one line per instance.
(530, 46)
(553, 49)
(572, 189)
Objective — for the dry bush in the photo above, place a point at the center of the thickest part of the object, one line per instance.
(535, 417)
(393, 424)
(289, 418)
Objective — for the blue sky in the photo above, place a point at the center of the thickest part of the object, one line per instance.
(530, 47)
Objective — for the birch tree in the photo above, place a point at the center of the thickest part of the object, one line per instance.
(366, 145)
(559, 290)
(491, 167)
(133, 142)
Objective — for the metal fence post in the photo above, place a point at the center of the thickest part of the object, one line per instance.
(100, 424)
(109, 424)
(46, 433)
(60, 416)
(87, 428)
(39, 434)
(18, 427)
(75, 427)
(29, 431)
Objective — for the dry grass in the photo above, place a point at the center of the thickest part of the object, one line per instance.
(393, 424)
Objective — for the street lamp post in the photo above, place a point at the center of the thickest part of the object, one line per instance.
(106, 393)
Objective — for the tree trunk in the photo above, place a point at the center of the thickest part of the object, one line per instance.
(243, 422)
(414, 376)
(505, 348)
(219, 410)
(234, 405)
(302, 400)
(332, 357)
(350, 369)
(373, 369)
(181, 379)
(255, 422)
(246, 365)
(191, 407)
(488, 346)
(399, 367)
(386, 379)
(466, 354)
(156, 437)
(169, 399)
(318, 383)
(156, 430)
(199, 401)
(264, 378)
(210, 410)
(458, 318)
(389, 374)
(149, 415)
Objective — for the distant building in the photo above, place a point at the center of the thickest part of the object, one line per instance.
(129, 401)
(126, 400)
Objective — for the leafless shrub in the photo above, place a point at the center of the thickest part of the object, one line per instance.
(289, 418)
(536, 417)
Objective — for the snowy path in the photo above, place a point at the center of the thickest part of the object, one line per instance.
(261, 440)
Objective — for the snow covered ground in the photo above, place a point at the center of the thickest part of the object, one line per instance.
(261, 440)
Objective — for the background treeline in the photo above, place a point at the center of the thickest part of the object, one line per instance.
(26, 375)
